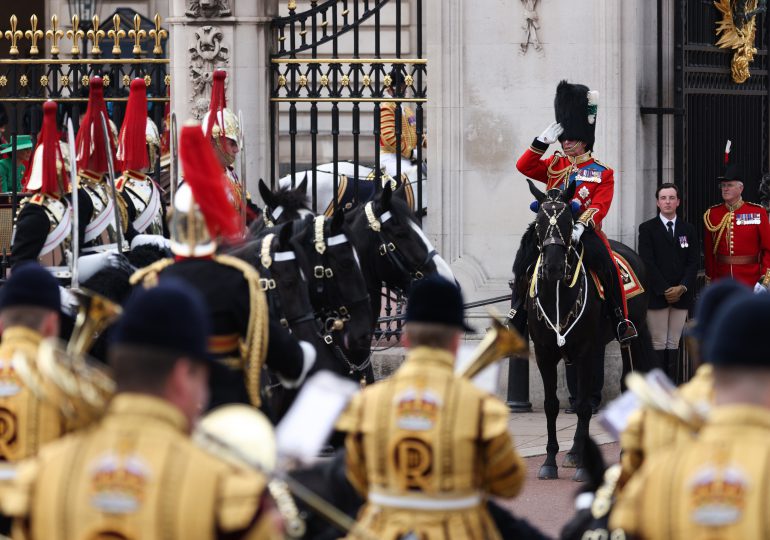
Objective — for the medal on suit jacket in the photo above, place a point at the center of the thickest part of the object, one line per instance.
(683, 242)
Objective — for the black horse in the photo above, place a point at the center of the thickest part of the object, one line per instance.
(394, 251)
(337, 290)
(285, 204)
(288, 301)
(567, 319)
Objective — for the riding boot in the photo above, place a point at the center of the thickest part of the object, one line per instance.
(660, 357)
(672, 365)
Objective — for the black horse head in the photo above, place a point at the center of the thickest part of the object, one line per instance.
(553, 228)
(285, 204)
(394, 248)
(336, 283)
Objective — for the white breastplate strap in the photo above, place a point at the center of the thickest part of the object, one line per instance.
(57, 209)
(318, 227)
(264, 253)
(104, 208)
(417, 502)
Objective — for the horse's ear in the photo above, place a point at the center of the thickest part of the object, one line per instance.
(302, 187)
(536, 193)
(569, 193)
(266, 194)
(338, 220)
(385, 197)
(284, 235)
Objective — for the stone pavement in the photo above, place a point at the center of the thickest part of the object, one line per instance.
(549, 504)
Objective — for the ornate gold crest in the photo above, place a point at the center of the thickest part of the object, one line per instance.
(738, 28)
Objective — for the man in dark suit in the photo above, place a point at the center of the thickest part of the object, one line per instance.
(668, 248)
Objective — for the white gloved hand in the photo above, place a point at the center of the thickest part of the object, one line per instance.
(577, 232)
(759, 288)
(551, 134)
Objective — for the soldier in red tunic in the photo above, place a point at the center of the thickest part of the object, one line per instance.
(736, 236)
(576, 108)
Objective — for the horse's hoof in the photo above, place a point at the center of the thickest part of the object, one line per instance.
(581, 475)
(570, 461)
(548, 472)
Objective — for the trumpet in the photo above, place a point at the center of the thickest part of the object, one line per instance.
(660, 398)
(499, 342)
(95, 314)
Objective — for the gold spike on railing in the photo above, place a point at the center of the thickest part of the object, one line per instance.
(54, 34)
(34, 35)
(116, 34)
(95, 35)
(14, 35)
(76, 34)
(158, 34)
(137, 34)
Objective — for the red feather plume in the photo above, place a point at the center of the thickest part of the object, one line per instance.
(90, 145)
(132, 141)
(218, 101)
(207, 181)
(48, 143)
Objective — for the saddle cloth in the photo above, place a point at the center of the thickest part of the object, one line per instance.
(631, 284)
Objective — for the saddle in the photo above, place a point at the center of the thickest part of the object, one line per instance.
(632, 286)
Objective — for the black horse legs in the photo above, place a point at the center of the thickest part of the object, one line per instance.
(574, 457)
(546, 363)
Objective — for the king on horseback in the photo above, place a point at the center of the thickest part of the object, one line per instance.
(576, 107)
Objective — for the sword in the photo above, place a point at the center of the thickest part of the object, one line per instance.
(75, 204)
(243, 168)
(111, 181)
(173, 168)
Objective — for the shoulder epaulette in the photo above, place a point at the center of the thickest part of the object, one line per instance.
(601, 164)
(148, 275)
(754, 204)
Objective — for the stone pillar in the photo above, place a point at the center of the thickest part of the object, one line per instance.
(235, 36)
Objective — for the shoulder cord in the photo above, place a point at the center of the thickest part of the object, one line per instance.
(720, 228)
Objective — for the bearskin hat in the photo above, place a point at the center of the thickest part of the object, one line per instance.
(576, 106)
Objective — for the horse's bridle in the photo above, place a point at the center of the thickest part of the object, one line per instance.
(269, 285)
(390, 250)
(553, 235)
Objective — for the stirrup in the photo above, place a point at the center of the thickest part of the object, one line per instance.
(626, 331)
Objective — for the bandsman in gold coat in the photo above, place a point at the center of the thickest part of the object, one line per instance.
(29, 313)
(137, 475)
(715, 486)
(425, 448)
(648, 430)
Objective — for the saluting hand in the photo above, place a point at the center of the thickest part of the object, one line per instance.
(551, 134)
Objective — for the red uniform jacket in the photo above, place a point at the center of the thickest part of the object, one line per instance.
(595, 182)
(737, 243)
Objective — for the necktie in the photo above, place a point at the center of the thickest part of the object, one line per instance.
(670, 226)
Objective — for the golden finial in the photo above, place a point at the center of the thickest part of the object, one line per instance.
(33, 35)
(116, 34)
(76, 34)
(137, 34)
(95, 35)
(14, 35)
(54, 34)
(292, 5)
(158, 34)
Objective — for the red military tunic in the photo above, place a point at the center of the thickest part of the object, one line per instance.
(737, 243)
(594, 186)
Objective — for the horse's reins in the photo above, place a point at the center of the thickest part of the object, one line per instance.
(334, 319)
(552, 239)
(390, 250)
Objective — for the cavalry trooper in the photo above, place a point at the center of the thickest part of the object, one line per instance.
(736, 236)
(23, 151)
(92, 158)
(44, 219)
(649, 430)
(244, 339)
(391, 153)
(137, 142)
(137, 474)
(221, 127)
(425, 447)
(715, 486)
(576, 108)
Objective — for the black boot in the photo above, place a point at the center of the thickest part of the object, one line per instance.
(672, 365)
(624, 329)
(660, 359)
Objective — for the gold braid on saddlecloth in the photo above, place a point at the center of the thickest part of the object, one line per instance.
(254, 347)
(720, 228)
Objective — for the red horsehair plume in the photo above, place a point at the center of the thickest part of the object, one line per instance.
(132, 141)
(89, 144)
